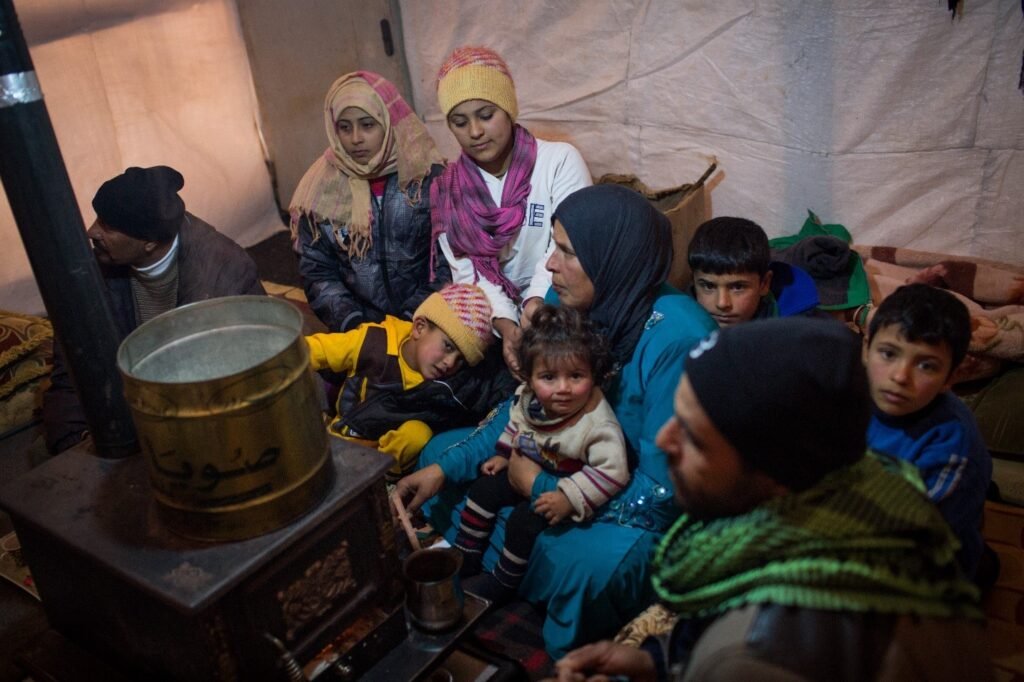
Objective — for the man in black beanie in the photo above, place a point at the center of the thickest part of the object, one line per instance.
(154, 256)
(800, 556)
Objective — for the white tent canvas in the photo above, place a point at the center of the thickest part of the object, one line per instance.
(888, 117)
(892, 118)
(145, 84)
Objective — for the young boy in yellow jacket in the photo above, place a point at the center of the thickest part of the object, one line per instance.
(450, 329)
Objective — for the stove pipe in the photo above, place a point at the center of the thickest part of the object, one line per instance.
(43, 203)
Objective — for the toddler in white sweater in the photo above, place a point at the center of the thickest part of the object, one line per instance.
(559, 420)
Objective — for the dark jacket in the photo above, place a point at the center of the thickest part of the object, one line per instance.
(210, 265)
(393, 278)
(772, 642)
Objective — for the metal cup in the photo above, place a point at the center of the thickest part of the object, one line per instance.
(433, 598)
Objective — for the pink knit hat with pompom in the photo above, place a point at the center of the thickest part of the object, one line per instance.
(463, 312)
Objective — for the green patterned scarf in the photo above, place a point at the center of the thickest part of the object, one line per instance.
(865, 538)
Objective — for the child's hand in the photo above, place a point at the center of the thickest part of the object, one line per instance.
(554, 506)
(494, 465)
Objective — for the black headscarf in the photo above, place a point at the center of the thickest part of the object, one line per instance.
(625, 246)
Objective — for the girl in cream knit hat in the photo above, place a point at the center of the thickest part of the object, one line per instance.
(491, 208)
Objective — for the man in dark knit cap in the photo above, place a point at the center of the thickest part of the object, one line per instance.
(800, 556)
(154, 256)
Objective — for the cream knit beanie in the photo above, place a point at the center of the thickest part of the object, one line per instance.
(476, 73)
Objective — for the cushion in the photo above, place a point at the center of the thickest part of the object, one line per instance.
(26, 355)
(20, 407)
(20, 335)
(1000, 413)
(33, 366)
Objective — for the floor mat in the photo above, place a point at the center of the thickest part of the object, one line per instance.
(515, 632)
(13, 566)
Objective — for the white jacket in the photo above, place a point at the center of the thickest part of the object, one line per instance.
(558, 172)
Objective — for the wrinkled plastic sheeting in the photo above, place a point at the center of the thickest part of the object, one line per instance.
(884, 116)
(157, 82)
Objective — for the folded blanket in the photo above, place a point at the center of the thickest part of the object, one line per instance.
(993, 293)
(984, 281)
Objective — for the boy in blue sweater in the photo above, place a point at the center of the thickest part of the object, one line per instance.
(916, 339)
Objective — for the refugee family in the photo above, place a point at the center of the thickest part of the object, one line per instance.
(770, 491)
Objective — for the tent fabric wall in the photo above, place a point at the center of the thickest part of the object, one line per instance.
(888, 117)
(130, 83)
(336, 37)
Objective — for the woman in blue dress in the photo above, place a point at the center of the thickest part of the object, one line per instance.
(613, 251)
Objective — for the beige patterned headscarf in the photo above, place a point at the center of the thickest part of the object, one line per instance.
(336, 187)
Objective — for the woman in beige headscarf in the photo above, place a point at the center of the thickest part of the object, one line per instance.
(360, 217)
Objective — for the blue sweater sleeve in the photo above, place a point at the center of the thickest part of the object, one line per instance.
(461, 462)
(942, 462)
(944, 452)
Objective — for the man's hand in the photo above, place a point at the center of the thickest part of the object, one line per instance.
(604, 660)
(511, 336)
(554, 506)
(521, 473)
(420, 486)
(494, 465)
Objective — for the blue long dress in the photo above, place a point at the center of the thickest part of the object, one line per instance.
(593, 577)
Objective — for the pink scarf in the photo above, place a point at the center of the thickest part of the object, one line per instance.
(461, 207)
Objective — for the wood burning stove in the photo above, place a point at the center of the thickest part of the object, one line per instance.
(156, 605)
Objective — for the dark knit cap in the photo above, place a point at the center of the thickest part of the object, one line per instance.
(142, 203)
(790, 394)
(828, 260)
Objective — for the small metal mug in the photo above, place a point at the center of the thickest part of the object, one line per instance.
(433, 598)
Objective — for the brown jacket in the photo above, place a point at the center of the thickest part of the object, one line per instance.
(210, 265)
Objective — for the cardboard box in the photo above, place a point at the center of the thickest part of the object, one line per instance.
(685, 206)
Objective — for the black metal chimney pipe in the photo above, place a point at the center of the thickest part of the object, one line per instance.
(43, 203)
